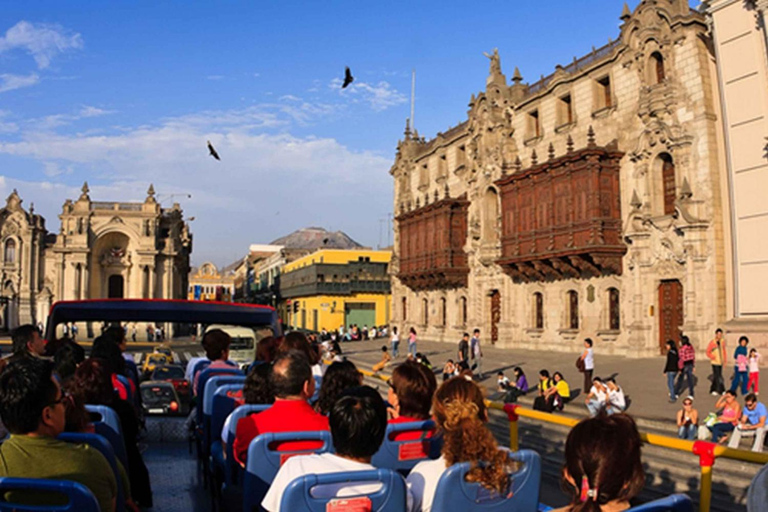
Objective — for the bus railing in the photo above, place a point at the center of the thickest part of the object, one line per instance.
(707, 452)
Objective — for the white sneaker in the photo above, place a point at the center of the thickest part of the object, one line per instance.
(714, 393)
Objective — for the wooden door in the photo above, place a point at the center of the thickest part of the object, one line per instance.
(670, 312)
(495, 315)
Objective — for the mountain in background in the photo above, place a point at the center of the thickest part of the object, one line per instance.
(317, 238)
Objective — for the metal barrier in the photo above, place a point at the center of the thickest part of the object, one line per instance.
(708, 452)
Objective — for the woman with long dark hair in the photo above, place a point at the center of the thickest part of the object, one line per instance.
(339, 377)
(603, 470)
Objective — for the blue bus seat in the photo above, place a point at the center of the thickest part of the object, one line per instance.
(205, 376)
(672, 503)
(195, 365)
(80, 498)
(453, 492)
(102, 445)
(391, 497)
(264, 461)
(232, 469)
(107, 424)
(222, 405)
(404, 455)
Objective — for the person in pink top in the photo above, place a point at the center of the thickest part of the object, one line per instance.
(727, 421)
(216, 343)
(754, 372)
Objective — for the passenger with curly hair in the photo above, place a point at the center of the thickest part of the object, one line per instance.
(603, 470)
(460, 413)
(339, 377)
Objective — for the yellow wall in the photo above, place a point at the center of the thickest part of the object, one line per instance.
(338, 256)
(331, 318)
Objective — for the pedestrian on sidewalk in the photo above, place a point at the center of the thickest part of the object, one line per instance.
(687, 420)
(671, 369)
(477, 354)
(588, 358)
(395, 341)
(412, 342)
(741, 361)
(754, 372)
(686, 362)
(463, 353)
(717, 357)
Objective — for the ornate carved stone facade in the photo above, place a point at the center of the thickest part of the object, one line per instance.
(103, 250)
(594, 199)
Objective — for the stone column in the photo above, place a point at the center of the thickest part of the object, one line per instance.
(85, 282)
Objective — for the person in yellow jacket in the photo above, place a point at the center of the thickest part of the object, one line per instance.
(716, 354)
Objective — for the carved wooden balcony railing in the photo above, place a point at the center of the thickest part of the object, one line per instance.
(562, 218)
(432, 242)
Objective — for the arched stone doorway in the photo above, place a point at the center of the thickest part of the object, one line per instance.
(111, 267)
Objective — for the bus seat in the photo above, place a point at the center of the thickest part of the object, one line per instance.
(198, 366)
(102, 445)
(81, 499)
(107, 423)
(390, 497)
(264, 461)
(672, 503)
(232, 469)
(202, 381)
(402, 456)
(222, 405)
(453, 492)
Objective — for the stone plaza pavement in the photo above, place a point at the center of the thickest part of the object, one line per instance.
(641, 379)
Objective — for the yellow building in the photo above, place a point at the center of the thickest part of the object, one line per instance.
(334, 287)
(207, 283)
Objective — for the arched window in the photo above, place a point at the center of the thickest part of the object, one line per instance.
(614, 319)
(573, 310)
(405, 309)
(425, 311)
(657, 61)
(668, 182)
(538, 311)
(463, 306)
(443, 312)
(10, 250)
(490, 217)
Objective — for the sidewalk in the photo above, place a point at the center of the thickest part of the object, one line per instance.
(642, 380)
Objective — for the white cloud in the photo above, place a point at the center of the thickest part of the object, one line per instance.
(91, 111)
(9, 82)
(42, 41)
(379, 97)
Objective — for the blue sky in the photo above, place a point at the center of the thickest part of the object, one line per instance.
(123, 94)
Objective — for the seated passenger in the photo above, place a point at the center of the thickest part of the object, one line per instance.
(91, 385)
(460, 413)
(216, 343)
(358, 422)
(32, 407)
(297, 341)
(339, 377)
(256, 390)
(411, 388)
(293, 385)
(105, 349)
(27, 341)
(603, 470)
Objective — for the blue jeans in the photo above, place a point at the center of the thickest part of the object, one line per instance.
(687, 432)
(412, 349)
(720, 429)
(594, 407)
(687, 373)
(744, 378)
(394, 348)
(671, 385)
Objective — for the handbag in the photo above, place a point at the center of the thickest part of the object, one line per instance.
(580, 364)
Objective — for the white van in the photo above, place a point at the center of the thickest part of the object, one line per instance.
(244, 339)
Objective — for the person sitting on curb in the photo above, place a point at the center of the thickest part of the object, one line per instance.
(728, 419)
(752, 423)
(597, 397)
(385, 359)
(687, 420)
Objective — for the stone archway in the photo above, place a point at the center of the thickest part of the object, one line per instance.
(111, 267)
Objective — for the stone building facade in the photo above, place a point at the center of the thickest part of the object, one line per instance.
(587, 204)
(102, 250)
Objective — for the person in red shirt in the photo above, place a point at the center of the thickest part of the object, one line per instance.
(293, 384)
(410, 395)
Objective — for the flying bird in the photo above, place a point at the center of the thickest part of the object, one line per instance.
(348, 78)
(212, 151)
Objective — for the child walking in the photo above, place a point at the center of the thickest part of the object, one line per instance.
(754, 372)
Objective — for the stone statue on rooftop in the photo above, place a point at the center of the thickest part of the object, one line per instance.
(495, 61)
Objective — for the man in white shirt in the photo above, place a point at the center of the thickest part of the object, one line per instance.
(597, 397)
(358, 422)
(617, 402)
